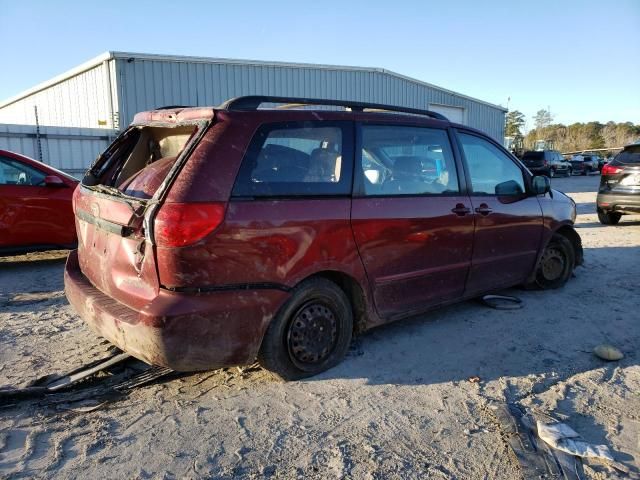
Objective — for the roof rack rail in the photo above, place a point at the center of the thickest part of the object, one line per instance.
(252, 102)
(172, 107)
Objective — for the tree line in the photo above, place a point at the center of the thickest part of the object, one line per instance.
(569, 138)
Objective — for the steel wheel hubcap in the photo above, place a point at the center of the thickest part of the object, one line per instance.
(312, 333)
(553, 262)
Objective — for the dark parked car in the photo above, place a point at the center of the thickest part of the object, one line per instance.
(584, 164)
(546, 162)
(212, 236)
(35, 206)
(619, 191)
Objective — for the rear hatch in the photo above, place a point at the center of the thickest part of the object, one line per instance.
(120, 192)
(533, 159)
(622, 174)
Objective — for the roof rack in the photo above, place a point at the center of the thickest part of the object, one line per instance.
(172, 107)
(253, 102)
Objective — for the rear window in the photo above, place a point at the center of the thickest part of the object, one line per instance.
(628, 155)
(533, 156)
(297, 159)
(138, 149)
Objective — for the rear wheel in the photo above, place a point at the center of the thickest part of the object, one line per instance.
(311, 332)
(556, 264)
(608, 218)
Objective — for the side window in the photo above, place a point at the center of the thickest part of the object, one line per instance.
(489, 166)
(297, 159)
(13, 172)
(398, 160)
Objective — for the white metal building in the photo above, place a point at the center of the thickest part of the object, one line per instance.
(106, 92)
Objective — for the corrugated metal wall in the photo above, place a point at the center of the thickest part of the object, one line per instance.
(80, 101)
(71, 150)
(146, 84)
(140, 82)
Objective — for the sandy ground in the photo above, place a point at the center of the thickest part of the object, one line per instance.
(400, 406)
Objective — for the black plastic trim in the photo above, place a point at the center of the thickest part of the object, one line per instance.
(252, 102)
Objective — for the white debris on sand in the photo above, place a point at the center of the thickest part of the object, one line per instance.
(401, 405)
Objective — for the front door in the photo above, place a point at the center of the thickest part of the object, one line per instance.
(508, 226)
(30, 212)
(412, 225)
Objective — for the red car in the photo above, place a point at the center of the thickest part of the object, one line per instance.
(212, 236)
(35, 206)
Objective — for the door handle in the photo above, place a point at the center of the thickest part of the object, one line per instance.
(483, 209)
(460, 210)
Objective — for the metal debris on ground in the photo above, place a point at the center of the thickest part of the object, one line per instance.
(562, 437)
(81, 390)
(536, 458)
(502, 302)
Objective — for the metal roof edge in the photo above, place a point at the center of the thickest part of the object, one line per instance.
(446, 90)
(235, 61)
(83, 67)
(96, 61)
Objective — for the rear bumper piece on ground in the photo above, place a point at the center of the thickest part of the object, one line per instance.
(184, 332)
(611, 202)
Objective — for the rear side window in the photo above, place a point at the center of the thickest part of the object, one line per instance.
(403, 160)
(489, 166)
(297, 159)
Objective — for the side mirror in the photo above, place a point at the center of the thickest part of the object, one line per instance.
(510, 188)
(53, 181)
(540, 185)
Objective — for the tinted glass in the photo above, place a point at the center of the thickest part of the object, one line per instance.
(628, 155)
(296, 159)
(13, 172)
(399, 160)
(533, 156)
(488, 166)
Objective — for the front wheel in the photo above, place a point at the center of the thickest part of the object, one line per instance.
(310, 334)
(608, 218)
(556, 264)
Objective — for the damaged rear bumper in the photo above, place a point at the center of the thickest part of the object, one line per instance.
(185, 332)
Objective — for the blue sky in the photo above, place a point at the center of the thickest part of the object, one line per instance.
(580, 58)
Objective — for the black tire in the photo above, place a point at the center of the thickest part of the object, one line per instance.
(556, 264)
(584, 171)
(608, 218)
(310, 334)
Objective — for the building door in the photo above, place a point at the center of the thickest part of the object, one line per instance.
(453, 114)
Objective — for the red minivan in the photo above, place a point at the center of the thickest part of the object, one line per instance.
(208, 237)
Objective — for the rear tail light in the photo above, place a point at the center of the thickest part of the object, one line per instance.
(611, 170)
(74, 198)
(181, 224)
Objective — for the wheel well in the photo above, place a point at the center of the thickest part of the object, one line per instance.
(353, 290)
(570, 234)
